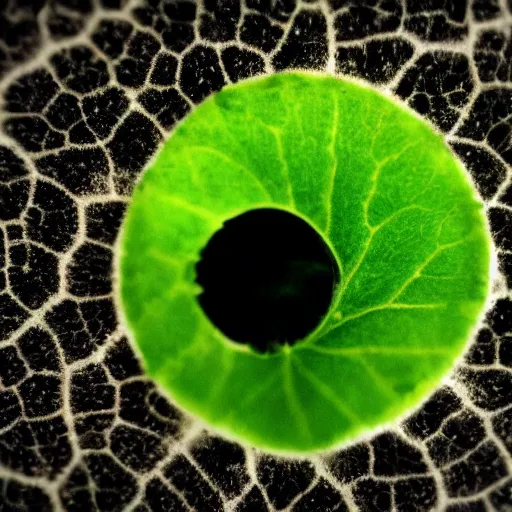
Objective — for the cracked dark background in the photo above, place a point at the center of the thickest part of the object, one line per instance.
(89, 89)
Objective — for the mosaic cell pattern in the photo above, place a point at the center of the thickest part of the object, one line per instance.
(89, 89)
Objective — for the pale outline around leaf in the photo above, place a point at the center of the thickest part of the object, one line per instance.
(290, 372)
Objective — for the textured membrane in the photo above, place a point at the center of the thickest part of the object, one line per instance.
(89, 90)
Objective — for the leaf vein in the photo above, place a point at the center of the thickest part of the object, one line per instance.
(373, 231)
(192, 208)
(326, 392)
(334, 167)
(236, 164)
(278, 137)
(381, 307)
(293, 402)
(417, 273)
(379, 380)
(348, 351)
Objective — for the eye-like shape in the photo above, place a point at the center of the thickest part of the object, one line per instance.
(402, 245)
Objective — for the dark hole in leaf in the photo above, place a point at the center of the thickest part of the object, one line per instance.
(268, 278)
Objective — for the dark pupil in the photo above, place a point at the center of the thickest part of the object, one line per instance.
(267, 278)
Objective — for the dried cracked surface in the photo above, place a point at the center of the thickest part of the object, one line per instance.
(89, 90)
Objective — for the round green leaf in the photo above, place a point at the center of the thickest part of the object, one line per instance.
(391, 201)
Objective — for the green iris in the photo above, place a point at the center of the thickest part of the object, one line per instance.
(404, 231)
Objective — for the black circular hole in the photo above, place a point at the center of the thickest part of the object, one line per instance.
(268, 278)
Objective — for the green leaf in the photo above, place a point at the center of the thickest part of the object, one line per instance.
(388, 197)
